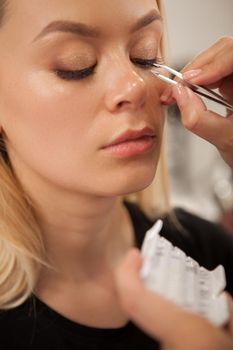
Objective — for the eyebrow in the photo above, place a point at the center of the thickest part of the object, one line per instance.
(89, 31)
(152, 16)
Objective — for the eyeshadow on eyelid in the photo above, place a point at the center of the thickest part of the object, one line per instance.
(145, 51)
(75, 60)
(150, 42)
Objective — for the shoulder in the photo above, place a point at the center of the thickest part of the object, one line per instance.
(204, 241)
(16, 320)
(183, 228)
(11, 326)
(25, 327)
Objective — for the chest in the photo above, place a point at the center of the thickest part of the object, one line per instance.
(92, 304)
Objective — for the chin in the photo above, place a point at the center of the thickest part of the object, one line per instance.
(132, 180)
(137, 184)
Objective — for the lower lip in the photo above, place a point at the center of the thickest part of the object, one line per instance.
(132, 147)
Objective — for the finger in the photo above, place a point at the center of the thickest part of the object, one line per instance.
(226, 87)
(213, 72)
(212, 65)
(150, 311)
(167, 98)
(171, 325)
(208, 54)
(204, 123)
(230, 324)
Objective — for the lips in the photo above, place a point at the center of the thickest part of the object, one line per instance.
(131, 143)
(131, 135)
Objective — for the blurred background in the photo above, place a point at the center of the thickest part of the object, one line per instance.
(199, 179)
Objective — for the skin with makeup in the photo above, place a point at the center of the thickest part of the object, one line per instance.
(82, 120)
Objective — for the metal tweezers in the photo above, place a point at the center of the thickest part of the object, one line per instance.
(198, 89)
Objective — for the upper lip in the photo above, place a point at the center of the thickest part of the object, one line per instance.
(131, 135)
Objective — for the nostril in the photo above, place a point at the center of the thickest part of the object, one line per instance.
(128, 91)
(122, 103)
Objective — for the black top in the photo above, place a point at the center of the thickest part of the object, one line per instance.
(36, 326)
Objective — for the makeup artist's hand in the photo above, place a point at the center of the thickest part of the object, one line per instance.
(213, 68)
(175, 328)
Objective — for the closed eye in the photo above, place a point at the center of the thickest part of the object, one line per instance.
(147, 63)
(75, 74)
(86, 72)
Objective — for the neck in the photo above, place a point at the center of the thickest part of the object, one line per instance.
(85, 236)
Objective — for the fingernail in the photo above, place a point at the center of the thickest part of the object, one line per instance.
(180, 94)
(166, 95)
(191, 74)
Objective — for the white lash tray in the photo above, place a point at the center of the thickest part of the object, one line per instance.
(167, 270)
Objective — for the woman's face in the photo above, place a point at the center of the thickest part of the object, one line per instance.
(74, 79)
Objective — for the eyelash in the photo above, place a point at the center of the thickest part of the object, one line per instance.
(86, 72)
(75, 74)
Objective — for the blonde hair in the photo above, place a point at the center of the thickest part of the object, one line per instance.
(21, 245)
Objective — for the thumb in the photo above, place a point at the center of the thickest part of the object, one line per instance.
(204, 123)
(153, 313)
(230, 324)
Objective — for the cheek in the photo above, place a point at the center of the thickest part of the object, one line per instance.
(51, 126)
(44, 117)
(157, 86)
(45, 108)
(155, 107)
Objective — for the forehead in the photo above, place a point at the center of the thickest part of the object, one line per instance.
(81, 6)
(31, 16)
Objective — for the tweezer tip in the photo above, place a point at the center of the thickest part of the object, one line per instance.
(156, 65)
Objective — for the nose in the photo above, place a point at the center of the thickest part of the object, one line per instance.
(126, 89)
